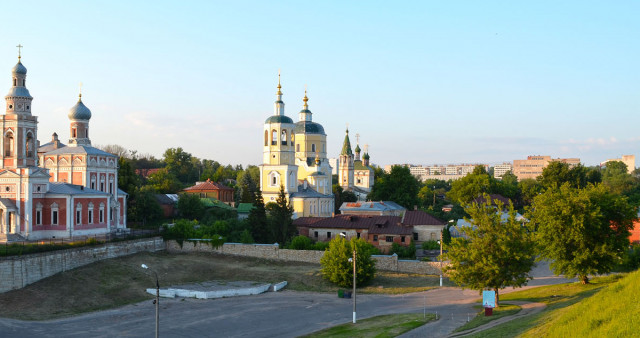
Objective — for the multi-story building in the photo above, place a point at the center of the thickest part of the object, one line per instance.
(533, 166)
(443, 172)
(501, 169)
(629, 160)
(355, 174)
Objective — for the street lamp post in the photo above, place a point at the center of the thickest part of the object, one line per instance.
(156, 301)
(354, 285)
(440, 242)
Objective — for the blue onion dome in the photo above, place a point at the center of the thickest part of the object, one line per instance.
(79, 111)
(19, 69)
(278, 119)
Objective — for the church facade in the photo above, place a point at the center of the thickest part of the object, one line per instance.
(295, 157)
(55, 190)
(355, 174)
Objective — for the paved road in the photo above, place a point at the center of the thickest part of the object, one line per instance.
(281, 314)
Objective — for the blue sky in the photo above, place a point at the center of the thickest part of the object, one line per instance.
(422, 82)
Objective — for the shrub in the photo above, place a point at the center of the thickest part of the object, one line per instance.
(320, 246)
(430, 245)
(337, 268)
(404, 251)
(301, 243)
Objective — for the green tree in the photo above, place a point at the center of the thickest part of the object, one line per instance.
(494, 253)
(337, 268)
(144, 207)
(258, 221)
(509, 186)
(190, 206)
(341, 196)
(398, 186)
(557, 173)
(617, 179)
(279, 218)
(583, 231)
(529, 189)
(473, 185)
(180, 164)
(164, 182)
(247, 187)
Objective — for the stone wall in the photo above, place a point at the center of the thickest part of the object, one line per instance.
(272, 251)
(19, 271)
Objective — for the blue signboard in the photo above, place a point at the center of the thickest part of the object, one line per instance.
(488, 299)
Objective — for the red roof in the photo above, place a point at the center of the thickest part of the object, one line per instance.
(419, 217)
(207, 186)
(374, 224)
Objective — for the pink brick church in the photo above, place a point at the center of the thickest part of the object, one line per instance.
(54, 190)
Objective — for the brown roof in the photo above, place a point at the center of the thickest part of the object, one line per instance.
(419, 217)
(493, 197)
(374, 224)
(207, 186)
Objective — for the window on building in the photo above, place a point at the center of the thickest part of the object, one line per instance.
(74, 132)
(274, 137)
(29, 145)
(375, 238)
(328, 234)
(315, 234)
(266, 138)
(101, 186)
(111, 187)
(415, 236)
(90, 213)
(38, 217)
(358, 235)
(298, 147)
(402, 239)
(283, 137)
(389, 238)
(313, 147)
(101, 213)
(78, 217)
(8, 144)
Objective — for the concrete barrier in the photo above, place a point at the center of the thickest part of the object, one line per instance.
(278, 286)
(184, 293)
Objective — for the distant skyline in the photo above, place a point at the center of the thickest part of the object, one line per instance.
(421, 82)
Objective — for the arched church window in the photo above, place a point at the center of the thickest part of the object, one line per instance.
(29, 145)
(86, 132)
(8, 144)
(15, 82)
(283, 137)
(266, 138)
(274, 137)
(74, 132)
(313, 148)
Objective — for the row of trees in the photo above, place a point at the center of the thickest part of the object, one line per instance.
(579, 219)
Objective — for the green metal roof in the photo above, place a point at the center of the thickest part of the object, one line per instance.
(279, 119)
(346, 146)
(245, 207)
(214, 203)
(357, 165)
(308, 127)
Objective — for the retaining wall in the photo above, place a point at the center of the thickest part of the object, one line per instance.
(19, 271)
(272, 251)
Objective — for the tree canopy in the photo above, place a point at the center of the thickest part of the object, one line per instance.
(279, 218)
(337, 268)
(493, 253)
(583, 231)
(398, 186)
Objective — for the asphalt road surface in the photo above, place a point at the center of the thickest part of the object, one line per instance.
(273, 314)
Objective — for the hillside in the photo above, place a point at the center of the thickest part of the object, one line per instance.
(612, 312)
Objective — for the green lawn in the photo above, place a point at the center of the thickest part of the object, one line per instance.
(481, 319)
(559, 299)
(379, 327)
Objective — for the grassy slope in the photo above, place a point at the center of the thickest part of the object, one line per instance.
(120, 281)
(557, 297)
(612, 312)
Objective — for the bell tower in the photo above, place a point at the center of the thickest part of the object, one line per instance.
(19, 132)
